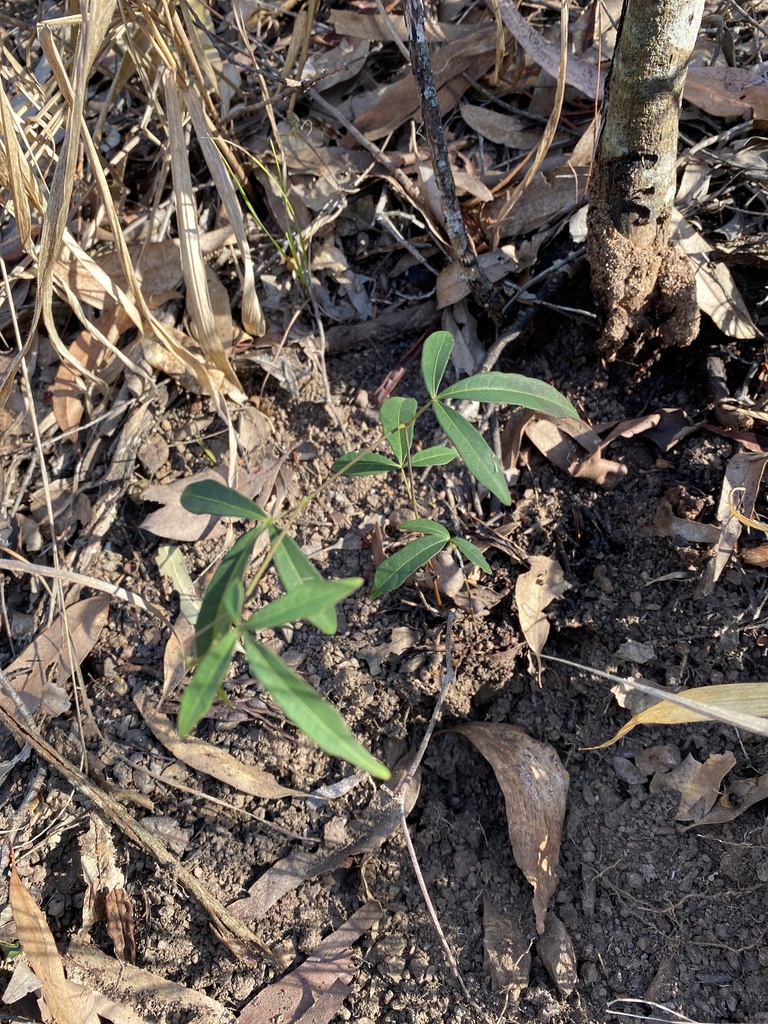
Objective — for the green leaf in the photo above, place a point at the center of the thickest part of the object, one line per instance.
(394, 414)
(307, 710)
(438, 455)
(395, 570)
(213, 618)
(471, 552)
(295, 570)
(366, 465)
(309, 599)
(434, 359)
(209, 497)
(474, 450)
(511, 389)
(232, 601)
(207, 678)
(428, 526)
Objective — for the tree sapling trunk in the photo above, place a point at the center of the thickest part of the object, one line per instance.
(643, 286)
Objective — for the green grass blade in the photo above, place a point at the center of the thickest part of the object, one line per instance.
(437, 455)
(295, 570)
(364, 465)
(434, 359)
(395, 570)
(214, 619)
(477, 455)
(427, 526)
(209, 497)
(511, 389)
(395, 413)
(307, 710)
(471, 552)
(310, 599)
(206, 680)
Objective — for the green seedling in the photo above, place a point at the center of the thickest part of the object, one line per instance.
(398, 416)
(224, 623)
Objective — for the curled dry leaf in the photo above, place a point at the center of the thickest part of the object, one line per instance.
(535, 787)
(534, 590)
(698, 784)
(210, 759)
(120, 924)
(738, 798)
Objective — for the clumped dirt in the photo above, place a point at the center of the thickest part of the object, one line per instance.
(656, 910)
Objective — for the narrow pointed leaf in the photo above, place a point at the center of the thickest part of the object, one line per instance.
(307, 710)
(477, 455)
(363, 465)
(309, 599)
(511, 389)
(395, 412)
(428, 526)
(395, 570)
(232, 601)
(434, 359)
(437, 455)
(471, 552)
(295, 570)
(209, 497)
(213, 619)
(206, 680)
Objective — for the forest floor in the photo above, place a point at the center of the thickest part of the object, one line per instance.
(661, 908)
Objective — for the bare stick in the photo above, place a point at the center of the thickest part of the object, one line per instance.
(484, 292)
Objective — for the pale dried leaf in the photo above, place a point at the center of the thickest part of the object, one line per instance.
(210, 759)
(504, 129)
(743, 474)
(698, 784)
(682, 531)
(40, 947)
(452, 284)
(173, 521)
(315, 990)
(49, 654)
(556, 952)
(535, 787)
(534, 591)
(132, 989)
(65, 393)
(338, 64)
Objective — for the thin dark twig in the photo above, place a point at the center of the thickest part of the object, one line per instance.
(484, 292)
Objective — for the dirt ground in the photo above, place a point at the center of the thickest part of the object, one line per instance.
(656, 911)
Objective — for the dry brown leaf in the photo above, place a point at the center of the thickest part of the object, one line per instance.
(30, 673)
(563, 441)
(40, 948)
(682, 531)
(728, 92)
(506, 950)
(545, 201)
(534, 591)
(556, 952)
(119, 913)
(698, 784)
(315, 991)
(738, 798)
(210, 759)
(535, 787)
(503, 129)
(65, 393)
(175, 522)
